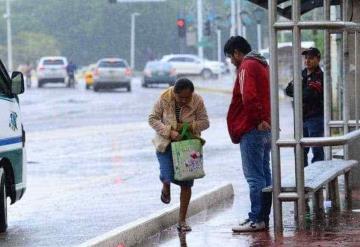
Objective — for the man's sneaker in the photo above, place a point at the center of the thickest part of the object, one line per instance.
(267, 227)
(244, 222)
(250, 226)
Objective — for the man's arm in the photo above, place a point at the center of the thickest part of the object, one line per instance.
(250, 95)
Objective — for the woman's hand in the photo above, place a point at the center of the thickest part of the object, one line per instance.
(179, 126)
(175, 136)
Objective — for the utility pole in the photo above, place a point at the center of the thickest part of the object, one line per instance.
(238, 18)
(259, 37)
(200, 29)
(233, 18)
(258, 14)
(132, 41)
(7, 16)
(218, 32)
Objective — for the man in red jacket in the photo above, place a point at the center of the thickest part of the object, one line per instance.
(248, 123)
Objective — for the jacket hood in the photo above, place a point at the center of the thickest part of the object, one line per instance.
(256, 56)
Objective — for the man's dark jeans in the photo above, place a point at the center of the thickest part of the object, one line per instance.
(255, 153)
(314, 127)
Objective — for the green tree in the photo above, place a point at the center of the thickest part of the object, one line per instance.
(87, 30)
(28, 47)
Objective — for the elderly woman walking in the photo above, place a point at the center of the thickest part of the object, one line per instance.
(177, 105)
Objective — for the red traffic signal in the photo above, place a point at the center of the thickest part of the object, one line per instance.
(180, 23)
(181, 26)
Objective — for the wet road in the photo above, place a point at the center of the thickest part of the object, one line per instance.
(91, 163)
(92, 166)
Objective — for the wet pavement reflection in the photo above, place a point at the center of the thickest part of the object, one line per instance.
(213, 228)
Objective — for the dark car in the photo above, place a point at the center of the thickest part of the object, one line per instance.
(158, 72)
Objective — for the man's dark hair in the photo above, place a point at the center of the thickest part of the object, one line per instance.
(182, 84)
(236, 43)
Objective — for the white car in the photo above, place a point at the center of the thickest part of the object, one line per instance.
(188, 64)
(12, 143)
(52, 70)
(112, 73)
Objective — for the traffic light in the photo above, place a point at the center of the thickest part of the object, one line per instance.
(207, 31)
(180, 23)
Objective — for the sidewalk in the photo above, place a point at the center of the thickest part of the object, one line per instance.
(213, 228)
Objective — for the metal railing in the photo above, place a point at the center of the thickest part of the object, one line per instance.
(299, 142)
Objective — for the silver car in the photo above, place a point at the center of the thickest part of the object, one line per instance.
(112, 73)
(52, 70)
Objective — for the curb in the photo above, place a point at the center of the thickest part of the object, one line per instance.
(140, 230)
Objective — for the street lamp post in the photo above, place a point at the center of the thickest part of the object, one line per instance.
(233, 18)
(132, 41)
(238, 19)
(200, 28)
(218, 33)
(258, 29)
(7, 16)
(258, 14)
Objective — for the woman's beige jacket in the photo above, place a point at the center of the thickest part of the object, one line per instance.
(163, 119)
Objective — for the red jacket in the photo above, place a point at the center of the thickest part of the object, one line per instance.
(250, 104)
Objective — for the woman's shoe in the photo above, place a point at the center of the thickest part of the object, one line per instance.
(165, 198)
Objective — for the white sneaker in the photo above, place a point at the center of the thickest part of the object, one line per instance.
(249, 226)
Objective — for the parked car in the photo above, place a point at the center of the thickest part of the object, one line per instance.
(188, 64)
(89, 76)
(12, 142)
(52, 70)
(112, 73)
(158, 72)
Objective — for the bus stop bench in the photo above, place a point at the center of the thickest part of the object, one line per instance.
(316, 176)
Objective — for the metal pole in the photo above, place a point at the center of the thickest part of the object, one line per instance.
(233, 18)
(357, 77)
(132, 41)
(200, 29)
(282, 34)
(346, 63)
(218, 32)
(327, 79)
(258, 27)
(275, 151)
(238, 19)
(9, 38)
(299, 150)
